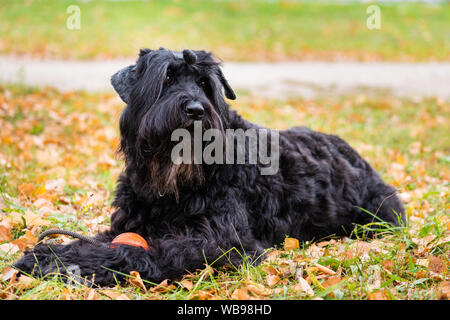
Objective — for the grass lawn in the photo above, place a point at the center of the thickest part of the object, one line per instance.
(58, 168)
(234, 30)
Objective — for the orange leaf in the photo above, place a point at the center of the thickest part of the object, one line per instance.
(291, 244)
(303, 286)
(268, 269)
(272, 280)
(331, 282)
(112, 294)
(388, 265)
(436, 264)
(136, 280)
(5, 234)
(9, 274)
(379, 295)
(257, 289)
(444, 290)
(325, 269)
(26, 189)
(187, 284)
(240, 294)
(28, 240)
(163, 287)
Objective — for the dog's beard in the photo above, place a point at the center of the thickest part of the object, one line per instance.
(154, 144)
(168, 178)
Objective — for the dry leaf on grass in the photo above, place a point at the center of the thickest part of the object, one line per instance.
(379, 295)
(257, 289)
(435, 264)
(26, 241)
(114, 294)
(163, 287)
(187, 284)
(331, 282)
(26, 189)
(5, 234)
(136, 281)
(325, 269)
(9, 274)
(444, 290)
(272, 280)
(291, 244)
(9, 248)
(240, 294)
(303, 286)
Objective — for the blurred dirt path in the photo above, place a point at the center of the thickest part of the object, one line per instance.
(273, 80)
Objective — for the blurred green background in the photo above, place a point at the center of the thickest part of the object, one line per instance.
(253, 30)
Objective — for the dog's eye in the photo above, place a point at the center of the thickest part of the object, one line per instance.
(202, 83)
(168, 79)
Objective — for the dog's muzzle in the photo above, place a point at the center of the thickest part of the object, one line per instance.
(194, 110)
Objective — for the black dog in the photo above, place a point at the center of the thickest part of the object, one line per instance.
(192, 214)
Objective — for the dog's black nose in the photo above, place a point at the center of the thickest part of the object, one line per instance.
(195, 110)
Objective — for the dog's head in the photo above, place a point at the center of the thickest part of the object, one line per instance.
(164, 91)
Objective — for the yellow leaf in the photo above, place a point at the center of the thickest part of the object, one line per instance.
(291, 244)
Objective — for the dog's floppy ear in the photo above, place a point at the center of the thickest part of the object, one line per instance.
(229, 93)
(123, 82)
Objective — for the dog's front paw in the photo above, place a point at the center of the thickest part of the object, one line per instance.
(34, 263)
(27, 263)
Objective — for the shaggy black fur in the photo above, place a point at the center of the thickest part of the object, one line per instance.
(192, 214)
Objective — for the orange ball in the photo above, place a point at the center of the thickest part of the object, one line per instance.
(131, 239)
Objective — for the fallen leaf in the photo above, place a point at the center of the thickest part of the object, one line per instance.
(331, 282)
(92, 295)
(272, 280)
(163, 287)
(136, 281)
(26, 189)
(110, 293)
(379, 295)
(25, 282)
(240, 294)
(204, 295)
(388, 265)
(187, 284)
(325, 269)
(268, 269)
(9, 274)
(257, 289)
(444, 290)
(5, 234)
(303, 286)
(26, 241)
(9, 248)
(435, 264)
(291, 244)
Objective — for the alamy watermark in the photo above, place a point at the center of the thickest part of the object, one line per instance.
(237, 146)
(373, 21)
(73, 21)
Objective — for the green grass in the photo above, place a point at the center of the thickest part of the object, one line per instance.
(234, 30)
(405, 140)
